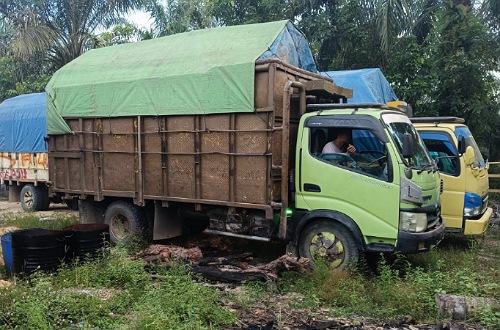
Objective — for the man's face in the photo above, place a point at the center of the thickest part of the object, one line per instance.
(343, 140)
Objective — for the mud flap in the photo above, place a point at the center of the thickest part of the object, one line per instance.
(167, 223)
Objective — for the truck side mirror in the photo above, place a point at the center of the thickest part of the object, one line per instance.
(461, 144)
(408, 146)
(470, 156)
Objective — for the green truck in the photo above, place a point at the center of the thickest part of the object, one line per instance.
(222, 131)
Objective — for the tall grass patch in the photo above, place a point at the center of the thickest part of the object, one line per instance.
(178, 302)
(33, 220)
(407, 285)
(114, 292)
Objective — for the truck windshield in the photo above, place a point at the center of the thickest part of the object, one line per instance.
(398, 125)
(469, 141)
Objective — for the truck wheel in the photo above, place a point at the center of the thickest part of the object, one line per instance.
(31, 198)
(125, 221)
(330, 243)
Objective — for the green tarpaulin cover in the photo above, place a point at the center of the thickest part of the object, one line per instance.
(198, 72)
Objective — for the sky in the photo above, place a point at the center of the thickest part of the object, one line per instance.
(141, 19)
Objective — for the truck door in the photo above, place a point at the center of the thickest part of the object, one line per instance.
(442, 149)
(360, 185)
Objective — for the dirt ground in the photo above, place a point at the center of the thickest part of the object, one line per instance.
(15, 207)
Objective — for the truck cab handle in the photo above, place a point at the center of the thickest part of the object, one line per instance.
(312, 187)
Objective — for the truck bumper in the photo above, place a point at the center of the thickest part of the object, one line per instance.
(409, 243)
(478, 226)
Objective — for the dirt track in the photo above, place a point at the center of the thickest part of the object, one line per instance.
(15, 207)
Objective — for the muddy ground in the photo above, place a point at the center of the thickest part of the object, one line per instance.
(278, 311)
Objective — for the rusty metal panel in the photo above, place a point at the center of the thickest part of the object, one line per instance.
(180, 169)
(152, 156)
(215, 132)
(119, 156)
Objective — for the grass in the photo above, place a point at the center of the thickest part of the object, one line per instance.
(113, 292)
(32, 220)
(118, 292)
(136, 301)
(407, 285)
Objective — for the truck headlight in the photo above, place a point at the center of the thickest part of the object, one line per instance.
(472, 205)
(413, 222)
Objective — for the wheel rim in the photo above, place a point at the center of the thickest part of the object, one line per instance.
(28, 198)
(325, 246)
(120, 227)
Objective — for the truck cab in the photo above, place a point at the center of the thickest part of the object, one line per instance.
(382, 198)
(463, 170)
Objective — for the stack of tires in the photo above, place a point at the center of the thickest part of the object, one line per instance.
(85, 241)
(29, 250)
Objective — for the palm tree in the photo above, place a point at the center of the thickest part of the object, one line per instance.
(491, 11)
(397, 18)
(63, 29)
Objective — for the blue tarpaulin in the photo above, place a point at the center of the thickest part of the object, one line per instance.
(23, 124)
(292, 47)
(368, 85)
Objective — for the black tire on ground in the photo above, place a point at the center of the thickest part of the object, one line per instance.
(31, 198)
(328, 242)
(126, 222)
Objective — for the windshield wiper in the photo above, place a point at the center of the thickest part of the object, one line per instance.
(429, 167)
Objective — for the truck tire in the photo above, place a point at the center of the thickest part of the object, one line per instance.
(328, 242)
(31, 198)
(126, 221)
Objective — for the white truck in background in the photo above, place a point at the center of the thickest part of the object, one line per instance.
(23, 151)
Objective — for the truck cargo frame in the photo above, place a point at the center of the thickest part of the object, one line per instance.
(236, 160)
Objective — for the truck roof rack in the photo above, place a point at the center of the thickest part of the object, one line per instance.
(347, 106)
(437, 120)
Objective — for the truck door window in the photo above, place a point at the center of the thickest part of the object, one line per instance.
(469, 141)
(398, 126)
(370, 158)
(443, 151)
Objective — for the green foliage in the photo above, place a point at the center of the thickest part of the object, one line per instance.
(32, 84)
(235, 12)
(18, 76)
(344, 36)
(176, 302)
(412, 78)
(7, 82)
(110, 293)
(61, 30)
(463, 55)
(31, 220)
(407, 285)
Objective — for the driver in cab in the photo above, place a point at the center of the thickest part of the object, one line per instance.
(340, 143)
